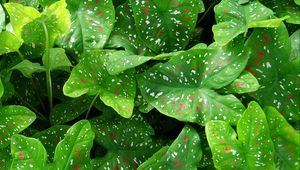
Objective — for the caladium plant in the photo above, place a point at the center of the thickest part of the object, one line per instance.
(148, 84)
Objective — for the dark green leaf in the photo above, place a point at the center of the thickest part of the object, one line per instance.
(27, 68)
(1, 88)
(5, 158)
(9, 42)
(46, 3)
(57, 59)
(295, 42)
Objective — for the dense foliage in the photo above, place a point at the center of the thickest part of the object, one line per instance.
(149, 84)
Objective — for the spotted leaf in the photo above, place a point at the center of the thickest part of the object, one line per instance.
(27, 68)
(120, 61)
(92, 23)
(28, 153)
(285, 139)
(13, 120)
(278, 77)
(5, 160)
(183, 87)
(90, 77)
(245, 83)
(166, 26)
(184, 153)
(253, 149)
(129, 142)
(51, 137)
(284, 8)
(234, 19)
(73, 152)
(295, 42)
(9, 42)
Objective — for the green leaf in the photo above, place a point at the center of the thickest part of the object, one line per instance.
(20, 16)
(69, 110)
(129, 142)
(46, 3)
(92, 23)
(234, 19)
(13, 120)
(268, 23)
(184, 153)
(9, 42)
(32, 3)
(182, 87)
(120, 61)
(297, 2)
(253, 149)
(295, 42)
(27, 68)
(90, 77)
(166, 26)
(58, 60)
(28, 153)
(51, 137)
(285, 139)
(2, 18)
(270, 53)
(73, 152)
(5, 160)
(245, 83)
(1, 88)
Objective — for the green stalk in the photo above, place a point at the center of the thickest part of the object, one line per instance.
(91, 105)
(21, 55)
(47, 67)
(207, 11)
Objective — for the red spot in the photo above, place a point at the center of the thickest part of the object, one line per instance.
(77, 151)
(99, 12)
(203, 75)
(239, 85)
(100, 28)
(176, 3)
(147, 2)
(66, 38)
(181, 104)
(146, 11)
(248, 68)
(184, 138)
(116, 167)
(223, 141)
(94, 80)
(226, 11)
(178, 163)
(228, 149)
(78, 158)
(173, 102)
(88, 7)
(186, 18)
(192, 97)
(265, 39)
(82, 80)
(77, 167)
(125, 161)
(260, 54)
(21, 156)
(97, 1)
(282, 113)
(178, 68)
(161, 33)
(178, 110)
(91, 21)
(186, 9)
(116, 91)
(197, 108)
(204, 105)
(113, 135)
(256, 45)
(291, 97)
(162, 102)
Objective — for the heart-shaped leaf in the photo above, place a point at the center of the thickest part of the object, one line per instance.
(90, 77)
(9, 42)
(245, 83)
(295, 42)
(92, 23)
(184, 153)
(51, 137)
(253, 149)
(28, 153)
(73, 152)
(234, 19)
(128, 141)
(13, 120)
(166, 26)
(27, 68)
(2, 18)
(285, 139)
(269, 63)
(182, 87)
(57, 59)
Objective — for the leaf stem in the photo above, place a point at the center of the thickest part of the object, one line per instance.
(48, 71)
(91, 105)
(20, 54)
(207, 11)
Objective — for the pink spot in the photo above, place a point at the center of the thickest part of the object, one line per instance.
(178, 110)
(223, 141)
(184, 138)
(91, 21)
(146, 11)
(228, 149)
(178, 163)
(181, 104)
(99, 12)
(82, 80)
(239, 85)
(186, 18)
(97, 1)
(249, 69)
(265, 39)
(147, 2)
(88, 8)
(77, 167)
(205, 105)
(192, 97)
(100, 28)
(173, 102)
(21, 156)
(226, 11)
(186, 9)
(197, 109)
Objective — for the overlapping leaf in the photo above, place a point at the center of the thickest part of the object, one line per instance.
(184, 153)
(166, 26)
(183, 87)
(278, 77)
(13, 119)
(90, 77)
(253, 149)
(245, 83)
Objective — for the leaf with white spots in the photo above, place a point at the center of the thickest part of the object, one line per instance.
(5, 158)
(73, 152)
(20, 15)
(27, 68)
(252, 150)
(69, 110)
(58, 60)
(120, 61)
(279, 78)
(295, 42)
(234, 19)
(92, 23)
(28, 153)
(51, 137)
(184, 153)
(166, 26)
(90, 77)
(283, 8)
(129, 141)
(245, 83)
(9, 42)
(13, 120)
(285, 139)
(183, 87)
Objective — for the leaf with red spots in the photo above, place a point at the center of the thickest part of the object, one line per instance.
(74, 150)
(253, 149)
(28, 153)
(51, 137)
(92, 23)
(285, 139)
(90, 77)
(278, 76)
(245, 83)
(166, 26)
(13, 120)
(234, 19)
(184, 153)
(186, 84)
(129, 142)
